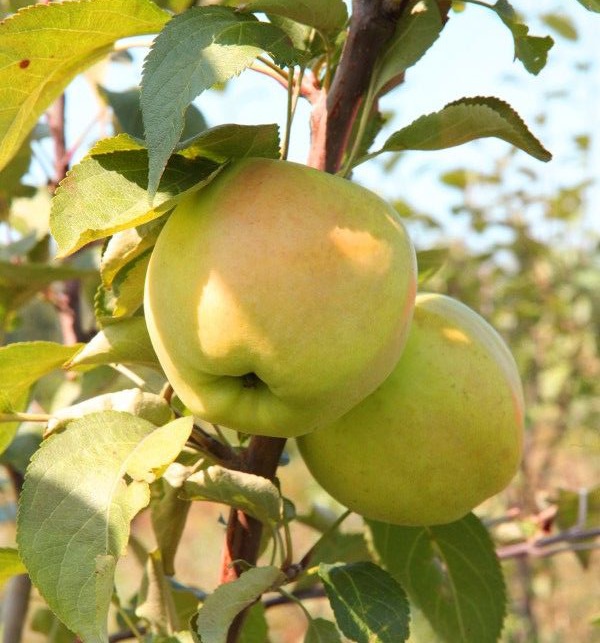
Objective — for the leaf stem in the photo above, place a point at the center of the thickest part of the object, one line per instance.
(305, 561)
(25, 417)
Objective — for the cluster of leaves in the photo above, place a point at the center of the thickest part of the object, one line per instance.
(109, 455)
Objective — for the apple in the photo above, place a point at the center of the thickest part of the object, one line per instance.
(278, 297)
(440, 435)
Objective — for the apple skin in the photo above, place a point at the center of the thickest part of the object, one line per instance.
(439, 436)
(278, 297)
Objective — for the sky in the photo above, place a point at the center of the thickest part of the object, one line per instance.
(472, 57)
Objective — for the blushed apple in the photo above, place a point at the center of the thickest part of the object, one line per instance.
(440, 435)
(278, 297)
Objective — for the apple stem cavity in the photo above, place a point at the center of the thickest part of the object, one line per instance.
(250, 380)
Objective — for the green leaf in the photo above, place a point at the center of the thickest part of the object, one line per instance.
(19, 282)
(196, 50)
(579, 510)
(127, 111)
(591, 5)
(22, 364)
(254, 495)
(451, 573)
(10, 178)
(561, 24)
(415, 34)
(107, 192)
(321, 630)
(148, 406)
(532, 51)
(326, 16)
(156, 603)
(369, 605)
(43, 47)
(82, 489)
(169, 513)
(465, 120)
(124, 342)
(255, 628)
(227, 601)
(128, 286)
(430, 262)
(10, 564)
(125, 246)
(45, 622)
(232, 141)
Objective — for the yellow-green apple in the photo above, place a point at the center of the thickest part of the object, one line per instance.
(278, 297)
(439, 436)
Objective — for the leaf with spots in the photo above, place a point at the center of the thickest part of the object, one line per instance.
(43, 47)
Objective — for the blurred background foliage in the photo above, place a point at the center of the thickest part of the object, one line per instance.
(527, 258)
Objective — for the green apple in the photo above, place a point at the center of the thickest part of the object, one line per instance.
(278, 297)
(440, 435)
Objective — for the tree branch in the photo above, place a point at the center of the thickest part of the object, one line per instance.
(242, 541)
(543, 547)
(371, 26)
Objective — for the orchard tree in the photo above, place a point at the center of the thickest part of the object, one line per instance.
(197, 315)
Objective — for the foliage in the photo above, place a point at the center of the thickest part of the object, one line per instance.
(114, 463)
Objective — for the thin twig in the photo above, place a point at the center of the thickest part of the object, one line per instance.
(543, 547)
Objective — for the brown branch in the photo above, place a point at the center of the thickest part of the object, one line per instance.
(56, 123)
(243, 536)
(221, 453)
(371, 26)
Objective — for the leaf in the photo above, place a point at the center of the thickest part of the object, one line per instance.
(107, 192)
(255, 628)
(226, 142)
(321, 630)
(43, 47)
(125, 246)
(19, 282)
(579, 510)
(124, 342)
(325, 16)
(128, 286)
(430, 262)
(156, 603)
(253, 494)
(22, 364)
(45, 622)
(127, 111)
(561, 24)
(590, 5)
(169, 513)
(196, 50)
(148, 406)
(369, 605)
(465, 120)
(81, 491)
(532, 51)
(227, 601)
(10, 564)
(10, 178)
(451, 573)
(416, 33)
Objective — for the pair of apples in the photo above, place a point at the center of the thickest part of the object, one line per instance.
(281, 301)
